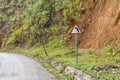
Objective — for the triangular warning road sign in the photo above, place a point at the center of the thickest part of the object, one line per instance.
(76, 29)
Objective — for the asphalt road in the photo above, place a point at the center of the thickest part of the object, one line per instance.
(18, 67)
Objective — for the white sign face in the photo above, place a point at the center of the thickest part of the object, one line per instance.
(76, 29)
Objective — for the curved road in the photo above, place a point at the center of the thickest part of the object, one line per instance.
(18, 67)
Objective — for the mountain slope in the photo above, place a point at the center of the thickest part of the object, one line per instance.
(32, 21)
(101, 23)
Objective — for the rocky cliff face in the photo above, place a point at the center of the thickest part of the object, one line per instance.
(101, 23)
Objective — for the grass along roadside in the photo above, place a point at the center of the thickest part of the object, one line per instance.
(102, 65)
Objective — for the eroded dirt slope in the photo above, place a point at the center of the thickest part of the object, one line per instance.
(101, 23)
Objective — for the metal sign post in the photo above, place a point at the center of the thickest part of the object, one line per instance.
(76, 46)
(76, 30)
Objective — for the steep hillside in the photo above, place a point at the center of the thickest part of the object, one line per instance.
(37, 21)
(34, 20)
(101, 23)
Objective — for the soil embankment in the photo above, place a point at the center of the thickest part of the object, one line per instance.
(101, 23)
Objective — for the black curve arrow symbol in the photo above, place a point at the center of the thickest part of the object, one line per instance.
(77, 29)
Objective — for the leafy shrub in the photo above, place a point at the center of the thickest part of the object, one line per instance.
(14, 38)
(110, 51)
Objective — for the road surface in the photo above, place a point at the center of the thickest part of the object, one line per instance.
(18, 67)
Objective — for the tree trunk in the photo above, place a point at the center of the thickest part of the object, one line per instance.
(45, 50)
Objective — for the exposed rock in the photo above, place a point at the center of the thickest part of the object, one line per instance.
(97, 69)
(56, 65)
(79, 75)
(59, 67)
(106, 67)
(70, 70)
(82, 76)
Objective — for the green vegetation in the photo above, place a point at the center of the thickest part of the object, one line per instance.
(38, 21)
(38, 29)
